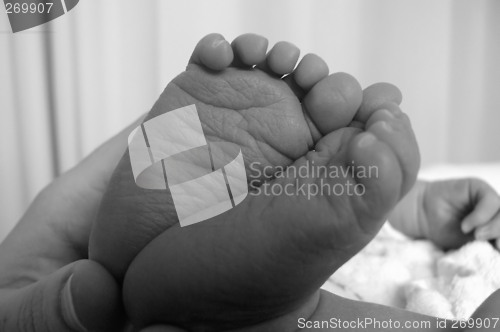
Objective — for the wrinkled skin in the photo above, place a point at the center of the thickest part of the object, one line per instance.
(269, 255)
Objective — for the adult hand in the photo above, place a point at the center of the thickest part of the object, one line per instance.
(47, 283)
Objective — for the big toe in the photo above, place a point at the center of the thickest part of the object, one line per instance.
(213, 52)
(333, 101)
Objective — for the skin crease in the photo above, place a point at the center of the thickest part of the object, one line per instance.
(157, 265)
(294, 141)
(270, 126)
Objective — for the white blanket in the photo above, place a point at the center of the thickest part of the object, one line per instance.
(414, 274)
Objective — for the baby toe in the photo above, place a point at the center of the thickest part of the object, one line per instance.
(333, 102)
(249, 49)
(282, 58)
(213, 52)
(375, 97)
(310, 71)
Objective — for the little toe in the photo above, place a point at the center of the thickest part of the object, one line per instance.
(213, 52)
(249, 49)
(332, 103)
(282, 58)
(310, 71)
(395, 131)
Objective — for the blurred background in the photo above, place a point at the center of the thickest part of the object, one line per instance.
(69, 85)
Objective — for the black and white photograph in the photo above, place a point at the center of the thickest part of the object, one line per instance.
(249, 165)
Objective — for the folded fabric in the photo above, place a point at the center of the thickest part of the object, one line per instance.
(397, 271)
(464, 279)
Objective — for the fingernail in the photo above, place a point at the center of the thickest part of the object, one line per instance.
(68, 308)
(367, 140)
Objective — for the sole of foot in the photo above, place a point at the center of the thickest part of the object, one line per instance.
(271, 253)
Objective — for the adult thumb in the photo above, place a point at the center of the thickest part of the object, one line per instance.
(81, 296)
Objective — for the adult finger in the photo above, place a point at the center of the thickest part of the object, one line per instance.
(81, 297)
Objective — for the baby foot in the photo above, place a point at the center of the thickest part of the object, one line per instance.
(271, 253)
(252, 108)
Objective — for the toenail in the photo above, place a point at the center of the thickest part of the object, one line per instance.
(387, 113)
(367, 140)
(218, 42)
(384, 125)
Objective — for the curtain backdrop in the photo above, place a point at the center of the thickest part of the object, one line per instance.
(69, 85)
